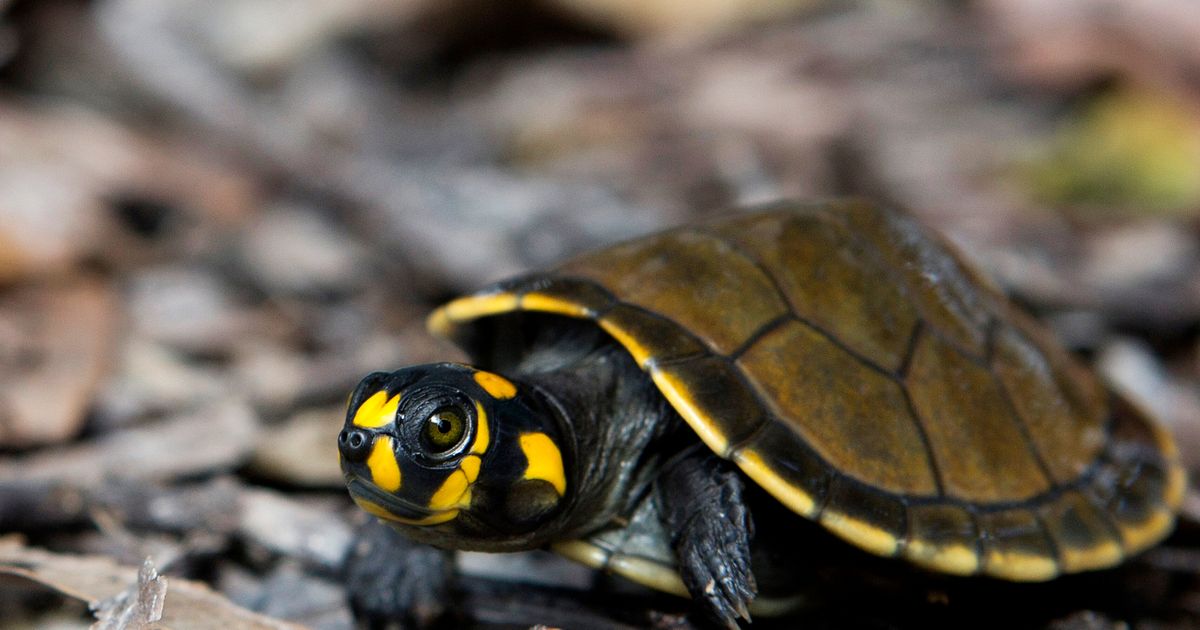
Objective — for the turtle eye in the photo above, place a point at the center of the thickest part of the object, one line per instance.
(443, 430)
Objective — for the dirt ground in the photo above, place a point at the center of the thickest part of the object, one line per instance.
(217, 215)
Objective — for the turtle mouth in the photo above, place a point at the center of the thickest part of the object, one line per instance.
(389, 506)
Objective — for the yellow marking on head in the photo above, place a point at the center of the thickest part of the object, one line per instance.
(1020, 567)
(470, 467)
(954, 559)
(482, 433)
(753, 465)
(675, 392)
(376, 411)
(369, 409)
(636, 349)
(436, 519)
(441, 322)
(495, 385)
(374, 509)
(455, 491)
(550, 304)
(545, 460)
(385, 472)
(452, 492)
(861, 533)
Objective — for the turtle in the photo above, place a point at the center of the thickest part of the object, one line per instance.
(668, 407)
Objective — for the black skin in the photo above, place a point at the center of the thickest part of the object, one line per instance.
(702, 505)
(625, 441)
(393, 579)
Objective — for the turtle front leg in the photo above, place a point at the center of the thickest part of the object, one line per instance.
(700, 498)
(391, 579)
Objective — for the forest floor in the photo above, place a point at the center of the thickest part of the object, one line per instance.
(216, 216)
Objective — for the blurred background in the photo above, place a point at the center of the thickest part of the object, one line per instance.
(216, 215)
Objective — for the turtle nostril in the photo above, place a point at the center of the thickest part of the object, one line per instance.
(354, 443)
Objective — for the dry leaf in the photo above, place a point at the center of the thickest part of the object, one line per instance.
(180, 605)
(55, 346)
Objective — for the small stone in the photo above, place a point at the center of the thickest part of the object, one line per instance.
(140, 606)
(208, 507)
(302, 450)
(261, 35)
(1117, 258)
(186, 308)
(1130, 365)
(205, 440)
(289, 593)
(313, 531)
(294, 250)
(271, 375)
(471, 226)
(151, 379)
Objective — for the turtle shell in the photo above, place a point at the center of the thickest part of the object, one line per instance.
(851, 364)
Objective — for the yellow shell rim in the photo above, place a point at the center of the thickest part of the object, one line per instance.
(952, 560)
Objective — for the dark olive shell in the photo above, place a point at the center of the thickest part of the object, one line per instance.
(856, 368)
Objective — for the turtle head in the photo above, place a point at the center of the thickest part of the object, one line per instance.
(454, 456)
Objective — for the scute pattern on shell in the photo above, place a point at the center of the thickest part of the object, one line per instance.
(856, 368)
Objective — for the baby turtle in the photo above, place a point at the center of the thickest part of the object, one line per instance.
(837, 355)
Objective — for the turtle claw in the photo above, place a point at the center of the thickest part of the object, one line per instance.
(714, 563)
(702, 497)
